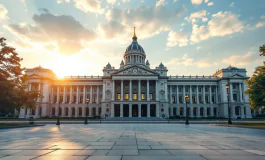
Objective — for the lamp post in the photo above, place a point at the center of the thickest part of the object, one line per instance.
(87, 101)
(228, 98)
(187, 99)
(58, 115)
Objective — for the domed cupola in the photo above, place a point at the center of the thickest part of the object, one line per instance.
(134, 53)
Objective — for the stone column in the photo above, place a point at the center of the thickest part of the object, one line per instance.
(97, 114)
(52, 94)
(148, 110)
(198, 111)
(103, 92)
(58, 94)
(170, 100)
(211, 111)
(90, 110)
(64, 94)
(121, 110)
(69, 112)
(184, 111)
(157, 110)
(139, 110)
(77, 95)
(39, 88)
(203, 94)
(242, 112)
(231, 92)
(113, 90)
(177, 93)
(190, 95)
(157, 91)
(166, 93)
(178, 112)
(139, 90)
(240, 92)
(84, 95)
(210, 98)
(130, 110)
(122, 90)
(197, 94)
(71, 94)
(191, 111)
(91, 95)
(216, 94)
(183, 97)
(205, 112)
(63, 112)
(148, 94)
(130, 94)
(112, 110)
(30, 87)
(97, 95)
(76, 111)
(83, 111)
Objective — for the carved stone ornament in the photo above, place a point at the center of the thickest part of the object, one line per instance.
(162, 91)
(135, 70)
(108, 92)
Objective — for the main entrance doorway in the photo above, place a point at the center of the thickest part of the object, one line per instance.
(152, 110)
(144, 110)
(134, 110)
(117, 110)
(125, 110)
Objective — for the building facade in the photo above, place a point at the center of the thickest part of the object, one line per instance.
(136, 90)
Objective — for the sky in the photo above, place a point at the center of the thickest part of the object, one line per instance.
(190, 37)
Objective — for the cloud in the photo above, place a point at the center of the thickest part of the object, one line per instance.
(148, 21)
(111, 30)
(175, 1)
(197, 15)
(206, 1)
(161, 3)
(241, 60)
(185, 60)
(232, 4)
(260, 24)
(210, 4)
(221, 24)
(3, 12)
(111, 1)
(93, 6)
(196, 1)
(262, 17)
(61, 33)
(177, 38)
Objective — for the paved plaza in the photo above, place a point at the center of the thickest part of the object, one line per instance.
(132, 142)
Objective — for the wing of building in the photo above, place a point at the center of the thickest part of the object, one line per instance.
(136, 90)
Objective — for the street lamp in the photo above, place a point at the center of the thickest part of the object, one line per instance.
(228, 98)
(58, 115)
(187, 99)
(87, 101)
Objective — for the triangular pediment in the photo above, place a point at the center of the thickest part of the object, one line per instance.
(34, 76)
(237, 75)
(135, 70)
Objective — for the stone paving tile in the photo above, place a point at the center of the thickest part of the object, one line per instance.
(195, 152)
(236, 153)
(154, 153)
(33, 152)
(63, 153)
(261, 153)
(162, 158)
(144, 147)
(123, 152)
(104, 158)
(123, 147)
(84, 152)
(99, 147)
(68, 147)
(61, 158)
(100, 153)
(234, 157)
(148, 143)
(18, 157)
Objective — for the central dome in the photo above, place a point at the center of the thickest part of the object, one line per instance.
(134, 53)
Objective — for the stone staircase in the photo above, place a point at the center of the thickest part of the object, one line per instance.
(134, 119)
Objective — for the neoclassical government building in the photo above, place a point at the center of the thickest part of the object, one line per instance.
(136, 90)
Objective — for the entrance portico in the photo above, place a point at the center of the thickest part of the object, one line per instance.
(135, 110)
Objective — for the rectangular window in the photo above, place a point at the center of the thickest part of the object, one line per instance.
(206, 89)
(200, 98)
(235, 97)
(193, 89)
(126, 96)
(118, 96)
(151, 96)
(143, 96)
(234, 86)
(180, 89)
(193, 99)
(200, 89)
(180, 99)
(134, 96)
(186, 89)
(173, 99)
(206, 99)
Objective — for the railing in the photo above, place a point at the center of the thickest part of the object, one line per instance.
(193, 77)
(82, 77)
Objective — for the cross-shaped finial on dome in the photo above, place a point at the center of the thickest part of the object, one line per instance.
(134, 35)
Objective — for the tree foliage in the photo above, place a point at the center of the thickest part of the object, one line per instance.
(13, 83)
(256, 85)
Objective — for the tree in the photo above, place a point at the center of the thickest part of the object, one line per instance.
(13, 86)
(256, 85)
